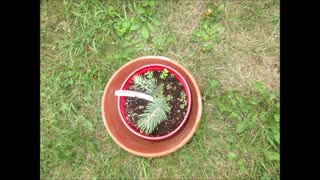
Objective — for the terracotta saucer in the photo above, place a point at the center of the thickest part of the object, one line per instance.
(129, 141)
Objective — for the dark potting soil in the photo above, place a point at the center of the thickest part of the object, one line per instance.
(136, 106)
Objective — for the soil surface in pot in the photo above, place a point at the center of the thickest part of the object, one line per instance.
(135, 106)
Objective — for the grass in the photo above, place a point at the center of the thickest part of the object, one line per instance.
(233, 53)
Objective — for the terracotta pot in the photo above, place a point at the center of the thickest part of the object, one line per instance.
(128, 140)
(129, 81)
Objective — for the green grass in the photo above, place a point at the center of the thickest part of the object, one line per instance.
(233, 54)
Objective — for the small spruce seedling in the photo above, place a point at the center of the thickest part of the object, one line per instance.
(156, 110)
(145, 85)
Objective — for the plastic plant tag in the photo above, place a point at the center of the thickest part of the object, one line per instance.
(133, 94)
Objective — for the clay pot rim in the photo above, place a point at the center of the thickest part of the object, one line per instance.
(188, 93)
(184, 140)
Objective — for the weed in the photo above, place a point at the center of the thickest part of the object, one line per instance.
(183, 95)
(212, 85)
(183, 98)
(144, 18)
(210, 29)
(169, 98)
(164, 74)
(149, 74)
(258, 113)
(161, 42)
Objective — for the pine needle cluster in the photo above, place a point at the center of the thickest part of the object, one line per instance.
(154, 114)
(156, 110)
(144, 84)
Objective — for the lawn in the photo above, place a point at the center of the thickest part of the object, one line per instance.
(230, 47)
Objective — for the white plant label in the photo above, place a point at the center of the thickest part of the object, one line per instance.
(133, 94)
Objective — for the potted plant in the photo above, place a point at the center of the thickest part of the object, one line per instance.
(160, 104)
(141, 138)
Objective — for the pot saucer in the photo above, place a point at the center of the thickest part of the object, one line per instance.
(129, 141)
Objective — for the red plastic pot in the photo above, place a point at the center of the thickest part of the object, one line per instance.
(129, 81)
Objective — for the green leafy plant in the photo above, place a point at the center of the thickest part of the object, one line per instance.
(169, 98)
(143, 20)
(162, 42)
(164, 73)
(210, 29)
(122, 27)
(212, 85)
(183, 95)
(260, 108)
(149, 74)
(156, 110)
(122, 24)
(146, 3)
(183, 98)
